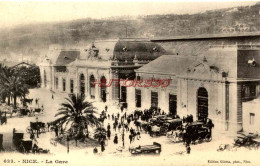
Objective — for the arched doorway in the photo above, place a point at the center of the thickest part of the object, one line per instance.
(92, 87)
(82, 83)
(44, 78)
(202, 103)
(103, 94)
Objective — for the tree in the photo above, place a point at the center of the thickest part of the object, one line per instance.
(75, 115)
(12, 84)
(100, 133)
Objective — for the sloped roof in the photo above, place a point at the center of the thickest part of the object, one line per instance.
(222, 59)
(142, 50)
(125, 49)
(169, 64)
(66, 56)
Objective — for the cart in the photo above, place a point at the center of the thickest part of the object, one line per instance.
(198, 132)
(34, 126)
(158, 131)
(173, 124)
(25, 146)
(24, 111)
(146, 149)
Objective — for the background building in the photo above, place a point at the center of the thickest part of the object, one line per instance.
(78, 70)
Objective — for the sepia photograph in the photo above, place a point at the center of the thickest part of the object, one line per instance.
(140, 83)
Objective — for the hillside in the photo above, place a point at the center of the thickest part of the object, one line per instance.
(34, 40)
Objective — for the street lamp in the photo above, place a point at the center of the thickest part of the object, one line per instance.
(68, 145)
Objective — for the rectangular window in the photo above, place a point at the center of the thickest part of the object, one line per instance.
(173, 104)
(56, 82)
(71, 86)
(138, 98)
(154, 99)
(63, 84)
(248, 92)
(252, 118)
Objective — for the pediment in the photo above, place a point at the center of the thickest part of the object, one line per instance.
(204, 70)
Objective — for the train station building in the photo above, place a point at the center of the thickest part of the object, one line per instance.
(80, 70)
(213, 77)
(214, 85)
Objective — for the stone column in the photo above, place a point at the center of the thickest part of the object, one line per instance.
(235, 107)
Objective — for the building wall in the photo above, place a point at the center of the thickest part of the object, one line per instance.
(187, 103)
(163, 92)
(48, 70)
(251, 107)
(97, 73)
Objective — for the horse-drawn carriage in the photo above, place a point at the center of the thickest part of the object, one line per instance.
(158, 130)
(248, 141)
(24, 111)
(25, 146)
(36, 126)
(162, 124)
(191, 132)
(146, 149)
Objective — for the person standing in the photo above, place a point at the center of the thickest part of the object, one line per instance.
(116, 139)
(52, 96)
(108, 134)
(95, 150)
(108, 126)
(102, 145)
(130, 138)
(188, 149)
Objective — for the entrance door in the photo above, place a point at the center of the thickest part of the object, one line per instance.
(173, 104)
(103, 89)
(92, 87)
(154, 99)
(123, 94)
(138, 98)
(82, 84)
(202, 100)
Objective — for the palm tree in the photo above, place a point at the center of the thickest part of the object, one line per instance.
(13, 84)
(75, 115)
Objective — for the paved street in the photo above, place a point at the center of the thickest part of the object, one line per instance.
(169, 148)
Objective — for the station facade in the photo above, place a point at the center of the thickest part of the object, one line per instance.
(215, 85)
(221, 83)
(83, 70)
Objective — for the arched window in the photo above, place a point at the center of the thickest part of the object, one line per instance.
(82, 83)
(103, 89)
(92, 86)
(202, 103)
(44, 78)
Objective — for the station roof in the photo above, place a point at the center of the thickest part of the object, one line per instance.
(66, 56)
(169, 64)
(125, 49)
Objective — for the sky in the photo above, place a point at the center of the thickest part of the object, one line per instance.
(14, 13)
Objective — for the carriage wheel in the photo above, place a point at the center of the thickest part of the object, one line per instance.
(208, 138)
(21, 149)
(157, 152)
(28, 129)
(200, 140)
(42, 130)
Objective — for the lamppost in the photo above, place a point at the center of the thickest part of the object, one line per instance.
(68, 145)
(123, 137)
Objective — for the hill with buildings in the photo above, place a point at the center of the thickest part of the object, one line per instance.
(29, 42)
